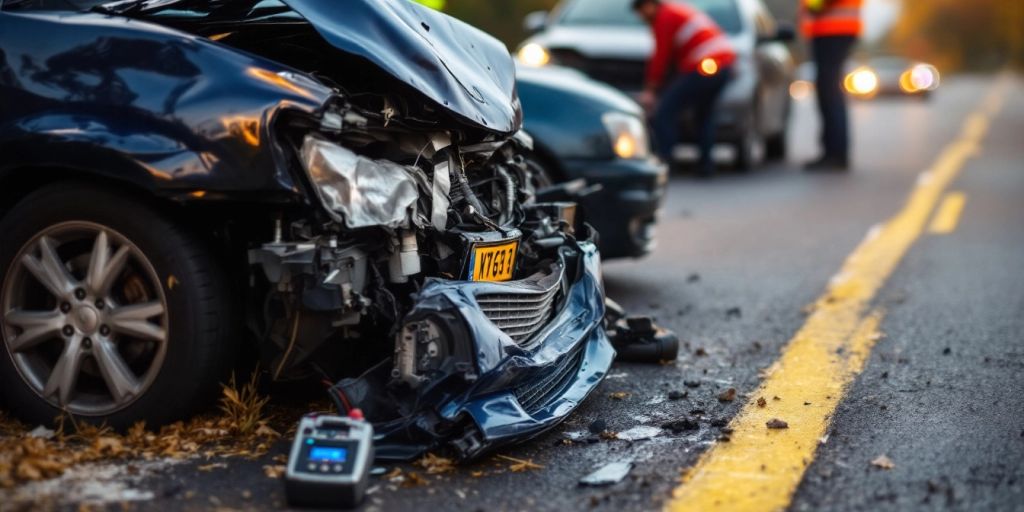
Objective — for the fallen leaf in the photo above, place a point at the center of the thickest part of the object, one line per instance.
(761, 402)
(883, 462)
(435, 465)
(476, 474)
(210, 467)
(619, 395)
(274, 471)
(413, 479)
(520, 465)
(728, 395)
(776, 423)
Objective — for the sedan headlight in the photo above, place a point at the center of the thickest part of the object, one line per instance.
(357, 190)
(534, 55)
(628, 135)
(862, 82)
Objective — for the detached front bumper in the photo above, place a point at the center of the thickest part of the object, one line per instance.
(624, 211)
(531, 369)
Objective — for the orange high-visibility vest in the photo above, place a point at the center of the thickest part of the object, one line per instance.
(837, 18)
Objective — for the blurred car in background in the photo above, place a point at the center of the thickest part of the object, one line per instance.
(891, 76)
(877, 76)
(586, 129)
(605, 40)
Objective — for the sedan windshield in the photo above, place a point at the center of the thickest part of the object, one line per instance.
(618, 13)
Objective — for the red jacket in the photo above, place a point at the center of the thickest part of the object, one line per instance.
(684, 37)
(838, 18)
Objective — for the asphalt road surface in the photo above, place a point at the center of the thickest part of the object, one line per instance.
(879, 314)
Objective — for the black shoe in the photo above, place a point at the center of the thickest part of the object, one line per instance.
(828, 164)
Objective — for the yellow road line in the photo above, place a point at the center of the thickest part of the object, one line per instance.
(760, 468)
(948, 216)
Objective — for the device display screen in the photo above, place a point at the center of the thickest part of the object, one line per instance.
(328, 454)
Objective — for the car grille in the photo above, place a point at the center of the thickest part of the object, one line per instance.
(524, 307)
(624, 74)
(535, 395)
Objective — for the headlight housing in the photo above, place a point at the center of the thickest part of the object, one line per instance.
(862, 82)
(534, 55)
(356, 190)
(628, 135)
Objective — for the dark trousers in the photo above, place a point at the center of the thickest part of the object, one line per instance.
(830, 54)
(689, 91)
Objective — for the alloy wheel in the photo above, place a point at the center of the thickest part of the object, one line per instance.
(84, 318)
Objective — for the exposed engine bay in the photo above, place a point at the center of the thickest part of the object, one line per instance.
(427, 282)
(406, 208)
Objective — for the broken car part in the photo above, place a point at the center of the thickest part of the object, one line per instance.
(345, 179)
(611, 473)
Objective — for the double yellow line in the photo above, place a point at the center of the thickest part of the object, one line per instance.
(760, 468)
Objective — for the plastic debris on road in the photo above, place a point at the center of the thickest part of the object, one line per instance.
(608, 474)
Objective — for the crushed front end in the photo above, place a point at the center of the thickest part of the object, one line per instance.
(423, 278)
(497, 362)
(459, 309)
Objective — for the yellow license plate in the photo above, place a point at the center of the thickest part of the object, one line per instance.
(493, 262)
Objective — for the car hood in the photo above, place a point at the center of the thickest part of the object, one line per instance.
(459, 67)
(627, 43)
(570, 83)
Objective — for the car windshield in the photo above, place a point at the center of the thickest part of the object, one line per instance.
(618, 13)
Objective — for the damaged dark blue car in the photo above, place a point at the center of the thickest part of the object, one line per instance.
(347, 180)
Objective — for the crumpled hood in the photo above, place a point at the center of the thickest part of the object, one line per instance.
(454, 64)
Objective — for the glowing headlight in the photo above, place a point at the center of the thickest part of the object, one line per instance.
(801, 89)
(922, 77)
(628, 135)
(534, 55)
(862, 82)
(357, 190)
(708, 67)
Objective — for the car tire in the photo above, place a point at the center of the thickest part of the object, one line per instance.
(750, 148)
(144, 326)
(776, 148)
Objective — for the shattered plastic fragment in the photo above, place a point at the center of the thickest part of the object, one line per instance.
(639, 432)
(883, 462)
(608, 474)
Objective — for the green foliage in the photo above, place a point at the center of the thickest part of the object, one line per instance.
(962, 35)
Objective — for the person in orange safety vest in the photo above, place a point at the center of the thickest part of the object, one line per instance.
(833, 27)
(690, 67)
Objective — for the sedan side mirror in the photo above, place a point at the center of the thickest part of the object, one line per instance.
(535, 22)
(784, 33)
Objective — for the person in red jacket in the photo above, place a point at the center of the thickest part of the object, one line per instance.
(690, 67)
(833, 27)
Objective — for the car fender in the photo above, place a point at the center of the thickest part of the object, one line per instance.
(144, 104)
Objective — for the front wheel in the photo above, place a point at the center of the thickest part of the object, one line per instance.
(775, 148)
(109, 311)
(750, 147)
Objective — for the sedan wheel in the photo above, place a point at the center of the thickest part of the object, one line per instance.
(86, 319)
(109, 310)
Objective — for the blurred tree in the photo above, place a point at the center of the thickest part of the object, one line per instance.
(959, 34)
